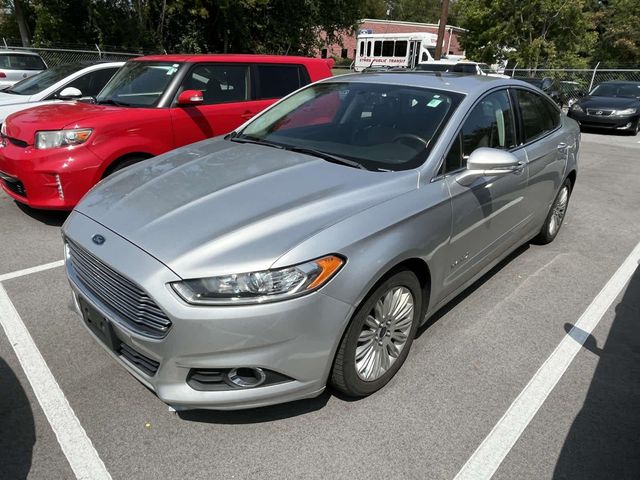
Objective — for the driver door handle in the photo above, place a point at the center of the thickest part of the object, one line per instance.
(562, 146)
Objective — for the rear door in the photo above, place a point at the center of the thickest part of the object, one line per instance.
(546, 148)
(490, 214)
(274, 81)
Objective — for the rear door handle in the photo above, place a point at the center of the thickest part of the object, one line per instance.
(562, 146)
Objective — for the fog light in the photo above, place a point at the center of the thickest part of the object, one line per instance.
(246, 377)
(59, 185)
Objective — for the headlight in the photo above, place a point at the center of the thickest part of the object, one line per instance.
(577, 108)
(62, 138)
(623, 113)
(259, 287)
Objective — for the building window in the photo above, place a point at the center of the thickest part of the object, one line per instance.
(344, 53)
(323, 53)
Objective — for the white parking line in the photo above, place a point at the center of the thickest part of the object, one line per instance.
(27, 271)
(492, 451)
(76, 445)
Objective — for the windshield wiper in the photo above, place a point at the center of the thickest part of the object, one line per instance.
(254, 141)
(110, 101)
(327, 156)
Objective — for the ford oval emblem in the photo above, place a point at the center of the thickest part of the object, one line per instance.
(98, 239)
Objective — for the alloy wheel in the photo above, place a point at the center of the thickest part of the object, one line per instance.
(559, 210)
(384, 333)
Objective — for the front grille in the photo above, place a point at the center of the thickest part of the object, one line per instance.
(598, 112)
(117, 292)
(13, 184)
(138, 360)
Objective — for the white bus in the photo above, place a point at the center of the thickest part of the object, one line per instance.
(394, 49)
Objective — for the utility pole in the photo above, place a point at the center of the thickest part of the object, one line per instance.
(444, 14)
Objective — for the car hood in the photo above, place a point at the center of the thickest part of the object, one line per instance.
(10, 99)
(218, 207)
(616, 103)
(6, 110)
(24, 124)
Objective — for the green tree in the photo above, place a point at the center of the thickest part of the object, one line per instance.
(535, 33)
(618, 24)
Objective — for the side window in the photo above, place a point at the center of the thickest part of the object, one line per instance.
(553, 111)
(368, 48)
(219, 83)
(387, 48)
(377, 48)
(401, 49)
(490, 124)
(90, 84)
(276, 81)
(536, 119)
(361, 48)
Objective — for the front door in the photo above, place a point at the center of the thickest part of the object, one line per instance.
(489, 214)
(228, 103)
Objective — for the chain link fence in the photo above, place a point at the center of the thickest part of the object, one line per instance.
(581, 79)
(58, 56)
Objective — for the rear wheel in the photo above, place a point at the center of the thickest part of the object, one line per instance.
(556, 215)
(636, 127)
(379, 336)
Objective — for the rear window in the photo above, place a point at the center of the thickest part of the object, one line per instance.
(21, 62)
(276, 81)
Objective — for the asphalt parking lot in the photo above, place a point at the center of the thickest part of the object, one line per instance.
(471, 380)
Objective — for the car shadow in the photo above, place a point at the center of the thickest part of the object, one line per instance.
(54, 218)
(472, 288)
(261, 414)
(604, 439)
(17, 428)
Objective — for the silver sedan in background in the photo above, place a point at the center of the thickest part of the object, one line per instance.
(308, 246)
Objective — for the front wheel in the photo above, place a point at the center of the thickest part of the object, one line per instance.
(379, 336)
(555, 216)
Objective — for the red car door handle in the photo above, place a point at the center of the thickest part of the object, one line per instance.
(247, 115)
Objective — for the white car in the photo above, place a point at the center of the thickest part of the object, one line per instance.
(63, 82)
(16, 66)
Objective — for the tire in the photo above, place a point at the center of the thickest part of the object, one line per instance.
(556, 215)
(390, 341)
(634, 131)
(122, 164)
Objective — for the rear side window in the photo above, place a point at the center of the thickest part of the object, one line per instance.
(219, 83)
(276, 81)
(537, 118)
(377, 48)
(21, 62)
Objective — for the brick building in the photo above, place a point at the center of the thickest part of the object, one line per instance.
(347, 47)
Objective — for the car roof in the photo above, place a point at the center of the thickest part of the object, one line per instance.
(468, 84)
(230, 58)
(17, 52)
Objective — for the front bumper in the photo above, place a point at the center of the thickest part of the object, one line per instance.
(48, 179)
(296, 338)
(605, 122)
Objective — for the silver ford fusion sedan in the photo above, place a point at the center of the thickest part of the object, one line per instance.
(308, 246)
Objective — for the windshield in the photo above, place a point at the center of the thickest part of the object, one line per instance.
(44, 80)
(382, 127)
(617, 90)
(138, 84)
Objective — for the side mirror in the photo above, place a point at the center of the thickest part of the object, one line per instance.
(70, 92)
(485, 162)
(190, 97)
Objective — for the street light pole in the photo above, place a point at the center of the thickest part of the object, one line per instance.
(444, 14)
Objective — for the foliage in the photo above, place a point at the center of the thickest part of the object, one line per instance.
(618, 23)
(535, 33)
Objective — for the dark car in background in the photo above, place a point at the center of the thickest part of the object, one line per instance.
(611, 105)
